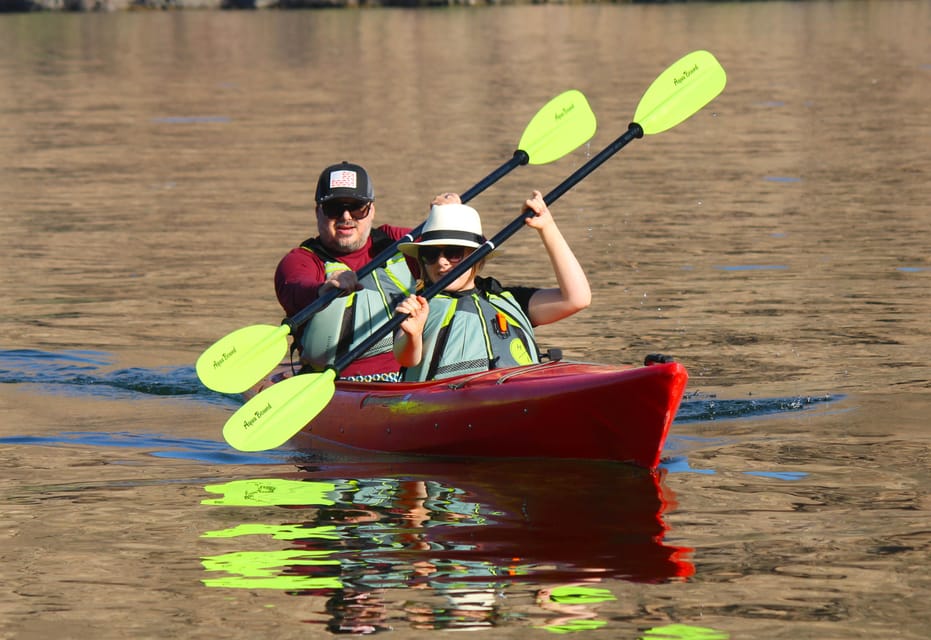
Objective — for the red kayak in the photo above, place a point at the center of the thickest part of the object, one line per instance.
(556, 409)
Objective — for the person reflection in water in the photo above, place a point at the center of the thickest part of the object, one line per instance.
(357, 612)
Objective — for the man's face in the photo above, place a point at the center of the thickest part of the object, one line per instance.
(344, 225)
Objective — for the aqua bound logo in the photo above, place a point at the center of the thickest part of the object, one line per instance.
(223, 358)
(248, 422)
(565, 111)
(685, 74)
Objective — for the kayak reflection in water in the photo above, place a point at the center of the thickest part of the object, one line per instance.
(476, 324)
(443, 545)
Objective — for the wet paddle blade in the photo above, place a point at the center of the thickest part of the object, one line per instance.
(239, 359)
(276, 414)
(563, 124)
(680, 91)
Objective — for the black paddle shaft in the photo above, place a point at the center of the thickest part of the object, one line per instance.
(633, 131)
(519, 158)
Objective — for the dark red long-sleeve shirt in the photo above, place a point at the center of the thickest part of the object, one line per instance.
(301, 273)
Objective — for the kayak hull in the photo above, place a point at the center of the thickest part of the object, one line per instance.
(560, 409)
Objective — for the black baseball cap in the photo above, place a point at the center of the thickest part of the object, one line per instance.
(344, 180)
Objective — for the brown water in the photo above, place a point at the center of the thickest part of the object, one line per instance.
(155, 166)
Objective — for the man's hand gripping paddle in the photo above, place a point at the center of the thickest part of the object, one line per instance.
(240, 359)
(273, 416)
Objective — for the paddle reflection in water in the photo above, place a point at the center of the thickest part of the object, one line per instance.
(457, 536)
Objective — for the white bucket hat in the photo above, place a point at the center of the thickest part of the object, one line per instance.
(448, 224)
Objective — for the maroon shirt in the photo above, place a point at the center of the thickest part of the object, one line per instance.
(301, 273)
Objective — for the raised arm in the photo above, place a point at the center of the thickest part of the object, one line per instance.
(573, 293)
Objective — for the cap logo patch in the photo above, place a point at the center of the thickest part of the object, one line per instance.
(343, 178)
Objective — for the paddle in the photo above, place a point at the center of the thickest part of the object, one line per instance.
(273, 416)
(238, 360)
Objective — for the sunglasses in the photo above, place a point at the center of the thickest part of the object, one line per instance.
(334, 210)
(431, 254)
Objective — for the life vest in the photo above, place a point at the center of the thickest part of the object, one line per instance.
(350, 319)
(483, 329)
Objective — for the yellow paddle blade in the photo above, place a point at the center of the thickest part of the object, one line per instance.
(267, 492)
(680, 91)
(563, 124)
(276, 531)
(238, 360)
(684, 632)
(270, 570)
(276, 414)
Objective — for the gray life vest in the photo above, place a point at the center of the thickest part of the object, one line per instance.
(484, 329)
(350, 319)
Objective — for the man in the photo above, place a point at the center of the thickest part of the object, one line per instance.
(346, 240)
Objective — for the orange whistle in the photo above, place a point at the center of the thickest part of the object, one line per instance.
(502, 323)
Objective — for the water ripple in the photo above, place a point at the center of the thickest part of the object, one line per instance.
(699, 407)
(157, 445)
(90, 372)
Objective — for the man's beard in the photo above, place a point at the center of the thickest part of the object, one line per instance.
(348, 245)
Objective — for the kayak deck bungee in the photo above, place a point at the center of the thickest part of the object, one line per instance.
(556, 409)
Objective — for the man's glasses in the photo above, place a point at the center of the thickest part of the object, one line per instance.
(334, 209)
(430, 254)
